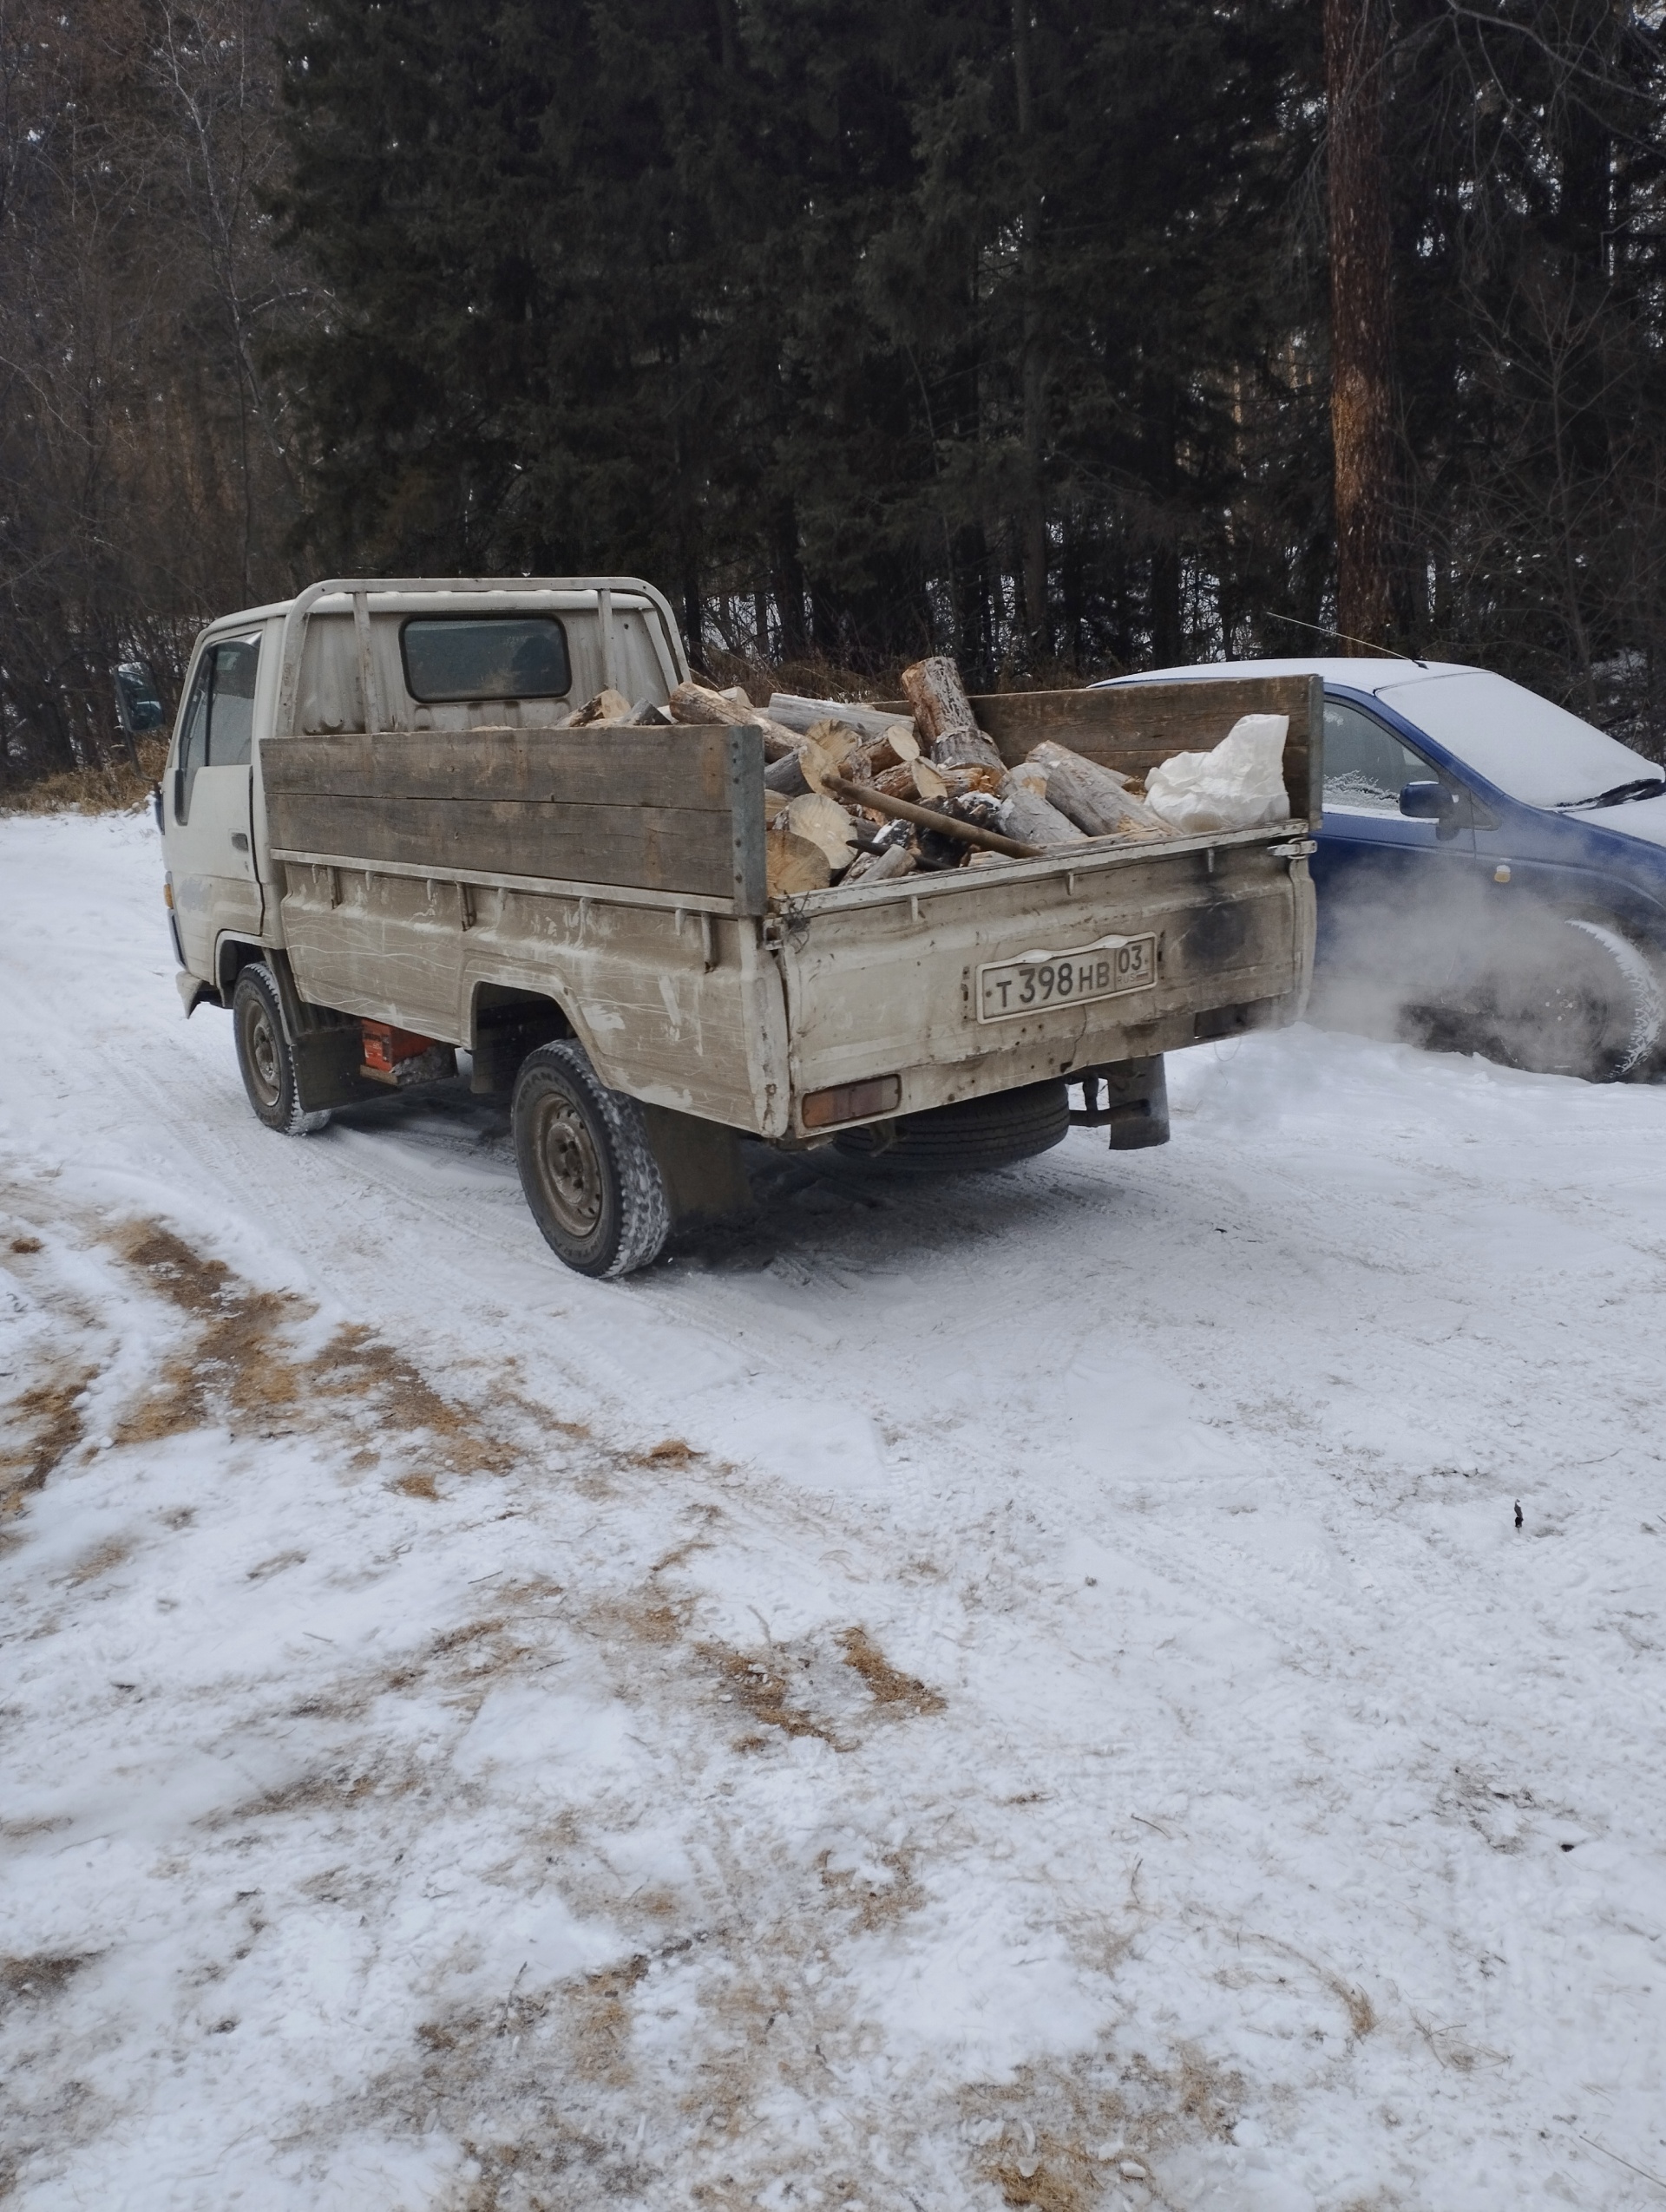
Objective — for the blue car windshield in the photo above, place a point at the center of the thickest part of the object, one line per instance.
(1535, 752)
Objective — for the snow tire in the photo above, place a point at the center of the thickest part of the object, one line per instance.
(264, 1056)
(1580, 1000)
(589, 1176)
(1639, 1004)
(976, 1134)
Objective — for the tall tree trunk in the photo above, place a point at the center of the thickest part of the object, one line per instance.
(1168, 641)
(1361, 328)
(971, 626)
(790, 582)
(1162, 461)
(1032, 520)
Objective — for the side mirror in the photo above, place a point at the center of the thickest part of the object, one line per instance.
(138, 702)
(1449, 810)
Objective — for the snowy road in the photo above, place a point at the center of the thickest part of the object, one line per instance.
(1030, 1692)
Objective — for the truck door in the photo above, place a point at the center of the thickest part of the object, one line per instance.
(210, 831)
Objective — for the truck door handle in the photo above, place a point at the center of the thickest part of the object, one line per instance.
(240, 843)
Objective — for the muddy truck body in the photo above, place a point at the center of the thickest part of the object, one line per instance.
(382, 846)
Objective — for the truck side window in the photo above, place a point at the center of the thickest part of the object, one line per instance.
(193, 738)
(219, 715)
(451, 656)
(230, 707)
(1366, 765)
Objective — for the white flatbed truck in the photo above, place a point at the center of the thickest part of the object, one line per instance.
(382, 847)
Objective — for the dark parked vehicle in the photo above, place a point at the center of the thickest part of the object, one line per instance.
(1491, 869)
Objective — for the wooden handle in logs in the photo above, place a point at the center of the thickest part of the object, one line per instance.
(968, 833)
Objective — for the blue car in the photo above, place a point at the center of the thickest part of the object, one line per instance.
(1491, 869)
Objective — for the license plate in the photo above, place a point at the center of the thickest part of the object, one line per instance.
(1040, 981)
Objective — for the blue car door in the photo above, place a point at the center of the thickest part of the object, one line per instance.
(1382, 875)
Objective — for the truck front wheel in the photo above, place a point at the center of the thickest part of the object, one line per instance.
(590, 1178)
(264, 1055)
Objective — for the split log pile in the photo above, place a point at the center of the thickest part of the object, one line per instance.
(855, 795)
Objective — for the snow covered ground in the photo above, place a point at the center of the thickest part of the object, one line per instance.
(1029, 1692)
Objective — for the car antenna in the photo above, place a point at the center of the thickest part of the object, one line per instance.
(1320, 630)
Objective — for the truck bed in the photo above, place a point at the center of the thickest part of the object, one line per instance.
(430, 878)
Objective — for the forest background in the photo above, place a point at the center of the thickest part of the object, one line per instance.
(1067, 336)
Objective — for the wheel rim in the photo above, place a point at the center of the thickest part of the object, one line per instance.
(261, 1042)
(570, 1166)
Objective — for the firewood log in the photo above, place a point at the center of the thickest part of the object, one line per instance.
(1095, 797)
(834, 740)
(899, 743)
(1025, 816)
(810, 762)
(957, 781)
(646, 715)
(606, 706)
(913, 780)
(793, 865)
(967, 748)
(824, 821)
(869, 723)
(938, 697)
(880, 867)
(943, 715)
(698, 702)
(787, 777)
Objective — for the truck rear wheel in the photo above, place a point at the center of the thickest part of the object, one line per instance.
(590, 1178)
(264, 1056)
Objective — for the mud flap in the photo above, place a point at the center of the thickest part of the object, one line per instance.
(1129, 1098)
(700, 1163)
(328, 1047)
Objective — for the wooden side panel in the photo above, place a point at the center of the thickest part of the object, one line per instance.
(1136, 725)
(668, 810)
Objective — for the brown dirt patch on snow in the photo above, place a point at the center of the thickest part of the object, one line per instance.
(238, 1364)
(44, 1426)
(887, 1684)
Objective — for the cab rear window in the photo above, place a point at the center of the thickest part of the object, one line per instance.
(485, 656)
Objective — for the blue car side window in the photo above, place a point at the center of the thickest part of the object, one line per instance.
(1367, 767)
